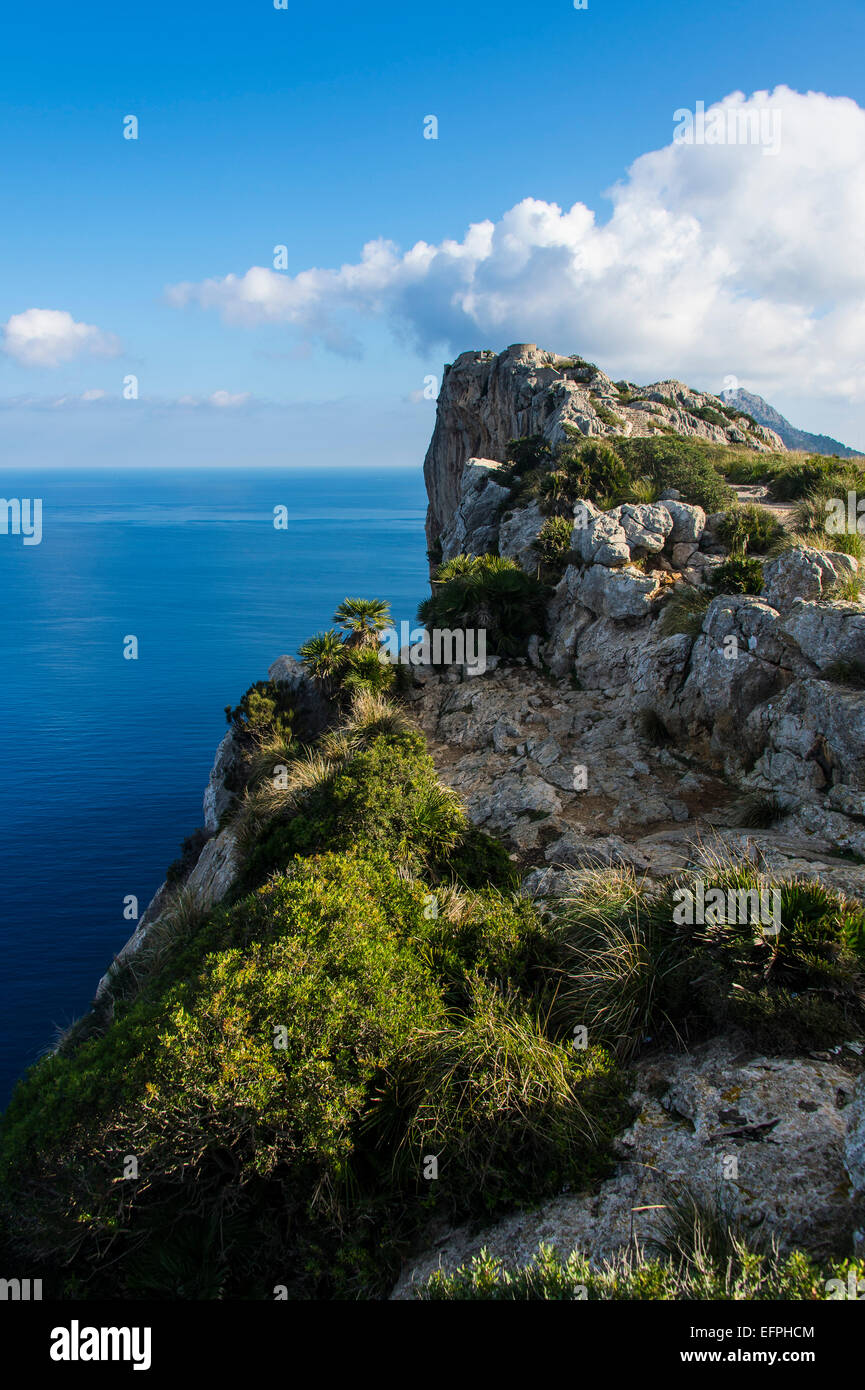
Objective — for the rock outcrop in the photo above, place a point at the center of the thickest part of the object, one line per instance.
(487, 400)
(777, 1141)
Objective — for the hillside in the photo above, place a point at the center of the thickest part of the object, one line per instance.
(549, 929)
(792, 437)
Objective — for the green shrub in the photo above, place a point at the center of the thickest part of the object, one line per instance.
(633, 967)
(750, 528)
(684, 464)
(553, 543)
(504, 1109)
(684, 611)
(490, 594)
(738, 575)
(744, 1275)
(266, 709)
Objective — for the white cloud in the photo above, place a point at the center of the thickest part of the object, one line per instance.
(47, 337)
(221, 400)
(717, 260)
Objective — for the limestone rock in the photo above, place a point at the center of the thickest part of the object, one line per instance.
(804, 573)
(784, 1121)
(517, 535)
(827, 632)
(617, 593)
(472, 529)
(217, 797)
(689, 522)
(646, 526)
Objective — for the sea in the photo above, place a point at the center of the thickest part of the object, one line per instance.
(105, 758)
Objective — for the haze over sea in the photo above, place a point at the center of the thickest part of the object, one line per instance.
(105, 760)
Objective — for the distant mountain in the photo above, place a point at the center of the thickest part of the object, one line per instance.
(767, 415)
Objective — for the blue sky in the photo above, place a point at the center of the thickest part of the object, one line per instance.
(304, 127)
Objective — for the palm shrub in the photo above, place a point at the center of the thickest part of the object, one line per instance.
(738, 575)
(324, 655)
(362, 619)
(554, 541)
(493, 595)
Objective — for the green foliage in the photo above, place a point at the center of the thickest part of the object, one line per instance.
(750, 528)
(549, 1276)
(362, 619)
(487, 593)
(527, 454)
(597, 471)
(738, 575)
(684, 464)
(633, 967)
(607, 416)
(502, 1105)
(265, 710)
(554, 542)
(380, 799)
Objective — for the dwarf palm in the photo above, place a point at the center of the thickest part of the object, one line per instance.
(362, 619)
(323, 656)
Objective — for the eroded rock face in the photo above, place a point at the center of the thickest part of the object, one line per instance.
(517, 535)
(473, 527)
(779, 1125)
(827, 633)
(739, 660)
(217, 797)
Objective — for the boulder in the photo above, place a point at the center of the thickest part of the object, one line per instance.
(739, 660)
(689, 522)
(646, 526)
(617, 593)
(827, 632)
(804, 573)
(597, 537)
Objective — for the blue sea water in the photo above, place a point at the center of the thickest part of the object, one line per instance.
(105, 760)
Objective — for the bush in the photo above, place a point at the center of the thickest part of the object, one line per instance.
(750, 528)
(633, 967)
(684, 611)
(499, 1104)
(265, 710)
(491, 594)
(553, 543)
(738, 575)
(686, 465)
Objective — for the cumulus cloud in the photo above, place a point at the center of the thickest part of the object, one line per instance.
(718, 259)
(47, 337)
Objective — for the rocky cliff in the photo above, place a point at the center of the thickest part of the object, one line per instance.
(622, 744)
(487, 400)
